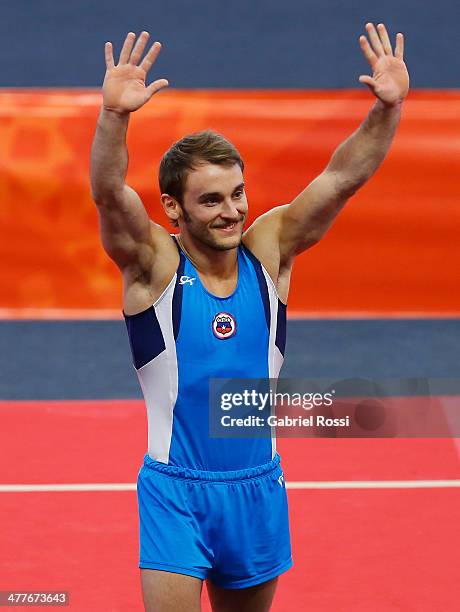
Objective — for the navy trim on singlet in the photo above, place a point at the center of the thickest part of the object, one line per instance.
(280, 340)
(178, 290)
(145, 336)
(262, 283)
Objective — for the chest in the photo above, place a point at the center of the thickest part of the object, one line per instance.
(230, 330)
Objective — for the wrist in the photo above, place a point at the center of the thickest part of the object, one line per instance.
(109, 111)
(113, 119)
(396, 105)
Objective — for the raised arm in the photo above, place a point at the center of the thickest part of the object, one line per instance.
(299, 225)
(126, 230)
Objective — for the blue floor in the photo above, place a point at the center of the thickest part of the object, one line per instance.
(91, 359)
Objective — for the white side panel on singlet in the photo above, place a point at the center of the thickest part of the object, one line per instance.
(275, 358)
(159, 382)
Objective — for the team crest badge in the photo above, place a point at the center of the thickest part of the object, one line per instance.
(224, 325)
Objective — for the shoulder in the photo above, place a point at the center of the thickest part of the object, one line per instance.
(142, 288)
(262, 240)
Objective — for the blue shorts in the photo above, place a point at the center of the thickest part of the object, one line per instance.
(231, 527)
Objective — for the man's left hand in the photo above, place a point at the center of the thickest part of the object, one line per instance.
(390, 79)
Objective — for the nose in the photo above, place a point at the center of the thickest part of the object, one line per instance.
(230, 211)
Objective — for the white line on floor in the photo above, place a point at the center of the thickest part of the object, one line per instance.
(327, 484)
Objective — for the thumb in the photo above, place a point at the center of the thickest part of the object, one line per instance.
(365, 79)
(156, 86)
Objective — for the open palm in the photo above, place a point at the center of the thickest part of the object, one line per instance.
(390, 79)
(124, 89)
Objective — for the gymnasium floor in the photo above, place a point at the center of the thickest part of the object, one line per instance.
(374, 521)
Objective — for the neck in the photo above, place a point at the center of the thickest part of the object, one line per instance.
(208, 260)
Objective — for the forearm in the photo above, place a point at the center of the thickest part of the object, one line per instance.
(109, 156)
(358, 157)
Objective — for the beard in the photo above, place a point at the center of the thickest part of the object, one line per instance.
(204, 234)
(226, 245)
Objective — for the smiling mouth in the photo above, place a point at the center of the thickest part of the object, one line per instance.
(227, 228)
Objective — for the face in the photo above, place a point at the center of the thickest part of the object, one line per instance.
(214, 206)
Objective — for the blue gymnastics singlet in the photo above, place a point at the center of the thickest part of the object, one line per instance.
(189, 336)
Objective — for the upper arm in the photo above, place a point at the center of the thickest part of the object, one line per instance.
(277, 236)
(143, 250)
(126, 231)
(308, 217)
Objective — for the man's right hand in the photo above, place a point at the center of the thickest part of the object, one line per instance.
(124, 88)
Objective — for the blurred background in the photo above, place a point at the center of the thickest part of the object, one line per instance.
(378, 297)
(280, 80)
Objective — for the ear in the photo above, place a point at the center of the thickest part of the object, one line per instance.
(171, 207)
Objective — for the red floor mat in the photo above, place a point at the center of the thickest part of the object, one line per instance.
(354, 550)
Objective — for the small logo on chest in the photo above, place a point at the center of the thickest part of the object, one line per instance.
(224, 325)
(186, 280)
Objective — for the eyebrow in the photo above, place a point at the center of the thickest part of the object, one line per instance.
(213, 194)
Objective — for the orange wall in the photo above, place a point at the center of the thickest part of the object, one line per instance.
(395, 248)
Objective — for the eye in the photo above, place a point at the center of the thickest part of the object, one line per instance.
(239, 194)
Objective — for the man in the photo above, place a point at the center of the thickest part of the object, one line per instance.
(210, 302)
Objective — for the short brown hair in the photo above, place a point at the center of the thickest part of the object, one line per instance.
(187, 153)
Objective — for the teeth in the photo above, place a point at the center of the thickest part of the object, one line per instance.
(230, 226)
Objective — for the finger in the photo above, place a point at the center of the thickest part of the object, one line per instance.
(386, 44)
(375, 39)
(151, 56)
(156, 86)
(399, 49)
(367, 50)
(126, 49)
(365, 79)
(108, 55)
(139, 48)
